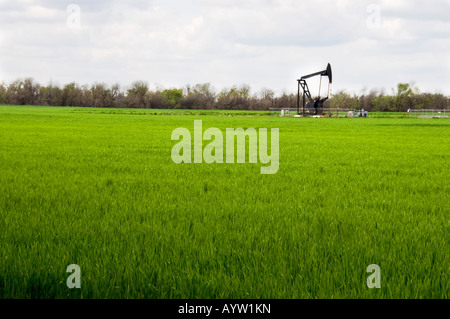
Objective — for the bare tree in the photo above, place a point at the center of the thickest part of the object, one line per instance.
(236, 98)
(199, 96)
(136, 95)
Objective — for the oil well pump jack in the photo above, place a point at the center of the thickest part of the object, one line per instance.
(314, 106)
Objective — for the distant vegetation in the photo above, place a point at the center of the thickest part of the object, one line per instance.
(204, 96)
(98, 188)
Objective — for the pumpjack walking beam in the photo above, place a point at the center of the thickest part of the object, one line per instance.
(306, 92)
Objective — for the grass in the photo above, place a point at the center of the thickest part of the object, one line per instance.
(98, 188)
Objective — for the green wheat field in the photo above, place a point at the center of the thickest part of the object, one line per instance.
(98, 188)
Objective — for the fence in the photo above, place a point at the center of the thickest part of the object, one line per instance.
(429, 113)
(336, 112)
(327, 112)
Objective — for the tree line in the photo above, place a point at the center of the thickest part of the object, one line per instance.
(204, 96)
(403, 98)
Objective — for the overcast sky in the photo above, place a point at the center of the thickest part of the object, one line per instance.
(266, 43)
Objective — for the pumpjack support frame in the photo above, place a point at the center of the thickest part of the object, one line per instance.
(302, 84)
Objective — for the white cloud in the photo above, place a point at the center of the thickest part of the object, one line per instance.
(266, 43)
